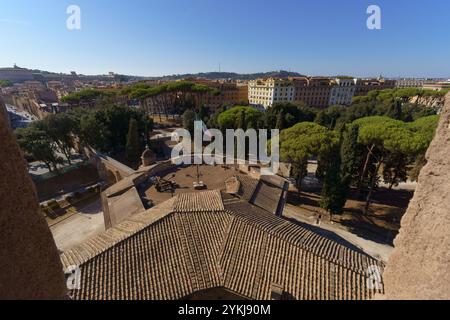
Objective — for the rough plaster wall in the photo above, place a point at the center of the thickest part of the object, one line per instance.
(419, 267)
(30, 267)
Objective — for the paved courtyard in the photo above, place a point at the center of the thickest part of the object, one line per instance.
(213, 176)
(79, 227)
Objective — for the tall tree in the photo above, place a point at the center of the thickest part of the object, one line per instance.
(292, 114)
(188, 120)
(37, 144)
(280, 121)
(132, 147)
(395, 110)
(106, 128)
(301, 142)
(383, 137)
(334, 193)
(330, 116)
(60, 128)
(395, 169)
(351, 155)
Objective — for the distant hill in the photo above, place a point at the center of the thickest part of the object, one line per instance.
(48, 75)
(231, 75)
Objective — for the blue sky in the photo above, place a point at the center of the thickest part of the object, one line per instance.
(156, 37)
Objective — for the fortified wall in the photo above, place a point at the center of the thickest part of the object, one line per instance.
(419, 266)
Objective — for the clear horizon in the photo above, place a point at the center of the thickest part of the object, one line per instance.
(157, 38)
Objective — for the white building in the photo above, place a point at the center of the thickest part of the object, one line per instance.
(342, 91)
(409, 83)
(267, 92)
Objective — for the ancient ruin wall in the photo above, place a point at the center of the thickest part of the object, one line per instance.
(420, 264)
(30, 267)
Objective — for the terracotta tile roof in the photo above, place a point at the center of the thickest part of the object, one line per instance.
(248, 186)
(199, 201)
(161, 254)
(267, 197)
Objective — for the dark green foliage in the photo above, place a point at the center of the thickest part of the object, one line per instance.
(106, 129)
(240, 121)
(239, 115)
(377, 103)
(329, 116)
(303, 141)
(352, 154)
(60, 129)
(188, 120)
(395, 169)
(132, 149)
(389, 143)
(89, 96)
(395, 110)
(5, 83)
(203, 113)
(291, 114)
(281, 122)
(37, 144)
(334, 193)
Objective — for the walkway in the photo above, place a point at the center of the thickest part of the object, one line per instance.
(374, 249)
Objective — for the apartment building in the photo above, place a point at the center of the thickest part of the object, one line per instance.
(363, 86)
(269, 91)
(313, 92)
(437, 85)
(409, 83)
(231, 93)
(342, 91)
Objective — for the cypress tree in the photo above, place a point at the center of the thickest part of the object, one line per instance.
(351, 155)
(280, 121)
(333, 195)
(132, 145)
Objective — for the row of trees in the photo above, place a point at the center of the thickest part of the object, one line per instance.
(404, 94)
(285, 115)
(357, 146)
(91, 97)
(167, 98)
(359, 154)
(112, 130)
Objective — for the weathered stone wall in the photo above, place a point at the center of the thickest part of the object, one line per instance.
(420, 264)
(109, 169)
(30, 267)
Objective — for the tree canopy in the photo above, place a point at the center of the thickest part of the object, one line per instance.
(106, 129)
(36, 143)
(231, 118)
(287, 114)
(5, 83)
(88, 95)
(303, 141)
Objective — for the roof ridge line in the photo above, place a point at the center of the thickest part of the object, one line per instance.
(302, 245)
(124, 236)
